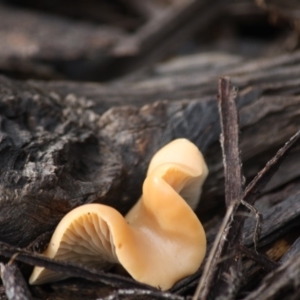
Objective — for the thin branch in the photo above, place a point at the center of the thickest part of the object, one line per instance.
(259, 258)
(71, 269)
(222, 274)
(134, 293)
(226, 241)
(234, 220)
(259, 219)
(230, 141)
(214, 255)
(255, 187)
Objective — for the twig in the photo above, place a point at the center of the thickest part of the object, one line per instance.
(214, 255)
(134, 293)
(261, 259)
(230, 233)
(71, 269)
(164, 32)
(230, 141)
(234, 224)
(226, 240)
(255, 187)
(279, 219)
(258, 217)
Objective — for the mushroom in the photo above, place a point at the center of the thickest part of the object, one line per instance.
(159, 242)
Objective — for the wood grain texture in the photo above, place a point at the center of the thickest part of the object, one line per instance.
(63, 144)
(84, 156)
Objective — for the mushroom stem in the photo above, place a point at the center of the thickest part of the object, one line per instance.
(171, 239)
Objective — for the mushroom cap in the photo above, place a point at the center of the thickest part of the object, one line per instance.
(184, 152)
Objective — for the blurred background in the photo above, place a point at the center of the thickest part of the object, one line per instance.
(104, 40)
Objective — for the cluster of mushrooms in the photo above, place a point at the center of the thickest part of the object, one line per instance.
(159, 241)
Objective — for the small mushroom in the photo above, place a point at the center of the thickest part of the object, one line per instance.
(159, 242)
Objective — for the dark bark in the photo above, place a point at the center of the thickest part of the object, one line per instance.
(225, 252)
(86, 158)
(280, 212)
(65, 144)
(229, 235)
(282, 283)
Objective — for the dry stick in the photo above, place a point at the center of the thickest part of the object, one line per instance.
(71, 269)
(233, 183)
(261, 259)
(214, 255)
(232, 225)
(129, 286)
(254, 188)
(229, 140)
(144, 294)
(251, 193)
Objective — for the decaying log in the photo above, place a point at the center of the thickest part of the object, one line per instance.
(64, 144)
(83, 156)
(260, 101)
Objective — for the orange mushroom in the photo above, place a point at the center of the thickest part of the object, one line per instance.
(159, 242)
